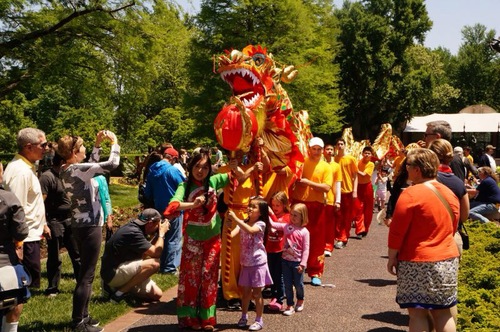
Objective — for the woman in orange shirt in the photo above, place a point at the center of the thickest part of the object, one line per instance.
(422, 252)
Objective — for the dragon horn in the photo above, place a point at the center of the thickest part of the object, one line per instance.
(289, 74)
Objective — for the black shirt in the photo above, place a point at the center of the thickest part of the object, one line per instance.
(453, 182)
(57, 203)
(129, 243)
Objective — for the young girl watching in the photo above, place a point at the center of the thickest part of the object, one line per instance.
(274, 248)
(294, 257)
(254, 273)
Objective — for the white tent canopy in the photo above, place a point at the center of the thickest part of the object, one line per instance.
(460, 122)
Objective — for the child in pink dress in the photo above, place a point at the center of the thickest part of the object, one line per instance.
(381, 193)
(254, 274)
(274, 248)
(294, 257)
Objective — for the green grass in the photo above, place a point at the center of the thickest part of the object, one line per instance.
(43, 314)
(123, 196)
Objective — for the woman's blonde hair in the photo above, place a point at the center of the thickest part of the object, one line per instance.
(443, 149)
(281, 197)
(302, 209)
(68, 145)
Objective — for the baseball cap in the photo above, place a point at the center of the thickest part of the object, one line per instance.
(171, 151)
(490, 147)
(458, 149)
(316, 141)
(146, 216)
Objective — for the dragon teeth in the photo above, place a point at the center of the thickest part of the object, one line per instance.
(241, 72)
(252, 101)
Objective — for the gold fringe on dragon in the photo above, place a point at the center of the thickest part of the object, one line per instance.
(385, 145)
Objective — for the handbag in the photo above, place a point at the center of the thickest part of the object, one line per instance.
(461, 226)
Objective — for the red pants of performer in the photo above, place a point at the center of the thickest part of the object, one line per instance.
(330, 215)
(198, 276)
(346, 216)
(365, 214)
(316, 227)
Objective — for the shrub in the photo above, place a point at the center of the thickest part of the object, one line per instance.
(479, 280)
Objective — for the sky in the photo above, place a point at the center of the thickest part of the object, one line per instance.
(448, 16)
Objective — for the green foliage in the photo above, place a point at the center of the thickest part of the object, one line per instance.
(87, 66)
(479, 280)
(475, 69)
(170, 125)
(13, 119)
(378, 82)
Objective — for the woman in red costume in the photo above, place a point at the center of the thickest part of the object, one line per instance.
(198, 275)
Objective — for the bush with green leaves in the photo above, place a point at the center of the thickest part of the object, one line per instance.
(479, 280)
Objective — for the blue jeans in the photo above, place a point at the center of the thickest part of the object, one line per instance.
(478, 210)
(291, 278)
(171, 255)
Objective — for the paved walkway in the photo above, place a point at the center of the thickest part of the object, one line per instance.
(361, 299)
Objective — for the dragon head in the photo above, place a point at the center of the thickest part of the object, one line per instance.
(252, 74)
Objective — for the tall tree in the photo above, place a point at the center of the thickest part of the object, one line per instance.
(88, 65)
(475, 70)
(377, 84)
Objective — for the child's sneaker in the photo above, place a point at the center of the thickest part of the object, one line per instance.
(242, 322)
(257, 326)
(274, 305)
(289, 311)
(300, 306)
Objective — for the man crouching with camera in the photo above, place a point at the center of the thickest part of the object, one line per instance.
(13, 230)
(129, 259)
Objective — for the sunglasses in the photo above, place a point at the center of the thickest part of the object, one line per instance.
(75, 140)
(42, 145)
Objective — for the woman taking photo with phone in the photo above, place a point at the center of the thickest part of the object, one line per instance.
(86, 214)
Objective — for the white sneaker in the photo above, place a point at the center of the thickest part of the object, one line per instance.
(300, 306)
(328, 253)
(289, 311)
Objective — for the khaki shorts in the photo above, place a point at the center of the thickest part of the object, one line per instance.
(8, 278)
(125, 272)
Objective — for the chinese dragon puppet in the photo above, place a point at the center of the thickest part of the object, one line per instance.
(259, 107)
(385, 145)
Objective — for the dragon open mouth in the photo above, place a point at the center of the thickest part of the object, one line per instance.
(245, 85)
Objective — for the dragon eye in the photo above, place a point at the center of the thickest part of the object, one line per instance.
(259, 59)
